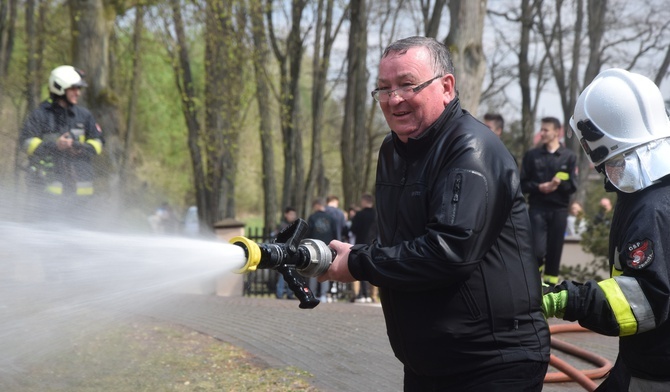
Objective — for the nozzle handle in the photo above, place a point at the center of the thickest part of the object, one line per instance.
(299, 288)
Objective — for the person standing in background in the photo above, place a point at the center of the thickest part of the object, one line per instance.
(364, 229)
(495, 122)
(333, 209)
(321, 227)
(290, 216)
(61, 139)
(549, 177)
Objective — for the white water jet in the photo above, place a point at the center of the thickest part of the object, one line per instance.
(59, 282)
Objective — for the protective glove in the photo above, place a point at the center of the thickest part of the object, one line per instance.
(554, 303)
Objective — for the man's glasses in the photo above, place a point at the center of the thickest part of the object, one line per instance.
(404, 92)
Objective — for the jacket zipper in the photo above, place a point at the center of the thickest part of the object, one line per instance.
(456, 197)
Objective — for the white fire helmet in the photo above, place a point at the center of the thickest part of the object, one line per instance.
(63, 78)
(622, 125)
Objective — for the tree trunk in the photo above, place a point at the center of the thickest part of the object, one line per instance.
(316, 182)
(134, 90)
(465, 42)
(354, 133)
(92, 25)
(32, 76)
(432, 20)
(527, 115)
(261, 57)
(184, 80)
(290, 67)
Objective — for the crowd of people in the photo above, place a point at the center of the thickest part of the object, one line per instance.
(328, 222)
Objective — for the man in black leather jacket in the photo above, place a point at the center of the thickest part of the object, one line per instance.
(458, 282)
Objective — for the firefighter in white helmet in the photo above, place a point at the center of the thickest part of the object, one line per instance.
(61, 138)
(622, 124)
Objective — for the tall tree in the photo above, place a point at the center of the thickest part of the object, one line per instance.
(289, 57)
(316, 184)
(131, 113)
(213, 148)
(465, 42)
(260, 60)
(225, 98)
(92, 23)
(179, 51)
(354, 138)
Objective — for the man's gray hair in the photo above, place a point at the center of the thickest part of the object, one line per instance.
(439, 53)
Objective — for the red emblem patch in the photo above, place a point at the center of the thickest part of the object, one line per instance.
(639, 254)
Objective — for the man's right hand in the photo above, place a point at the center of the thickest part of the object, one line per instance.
(339, 269)
(64, 142)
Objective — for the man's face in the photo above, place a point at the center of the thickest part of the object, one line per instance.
(72, 95)
(410, 116)
(548, 133)
(492, 125)
(290, 216)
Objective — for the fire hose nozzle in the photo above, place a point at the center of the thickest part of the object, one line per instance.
(252, 252)
(288, 253)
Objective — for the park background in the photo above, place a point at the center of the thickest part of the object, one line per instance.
(242, 107)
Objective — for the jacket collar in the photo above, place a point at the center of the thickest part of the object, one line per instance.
(417, 146)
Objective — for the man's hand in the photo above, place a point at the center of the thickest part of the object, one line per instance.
(64, 142)
(549, 186)
(339, 270)
(554, 303)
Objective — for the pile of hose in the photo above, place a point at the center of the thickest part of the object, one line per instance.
(568, 372)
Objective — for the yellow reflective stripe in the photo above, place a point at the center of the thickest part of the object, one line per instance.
(84, 188)
(563, 176)
(615, 272)
(32, 144)
(551, 279)
(97, 145)
(620, 307)
(84, 191)
(638, 302)
(55, 188)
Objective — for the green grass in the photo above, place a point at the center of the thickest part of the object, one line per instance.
(153, 357)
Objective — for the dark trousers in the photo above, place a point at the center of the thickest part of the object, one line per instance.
(617, 380)
(507, 377)
(548, 225)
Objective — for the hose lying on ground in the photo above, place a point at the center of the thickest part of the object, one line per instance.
(568, 372)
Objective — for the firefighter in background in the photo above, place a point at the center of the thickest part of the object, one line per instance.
(61, 139)
(621, 122)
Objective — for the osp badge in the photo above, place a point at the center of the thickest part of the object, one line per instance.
(639, 254)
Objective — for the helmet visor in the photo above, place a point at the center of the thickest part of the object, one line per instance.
(641, 167)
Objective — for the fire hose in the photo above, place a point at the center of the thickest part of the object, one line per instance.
(568, 372)
(290, 252)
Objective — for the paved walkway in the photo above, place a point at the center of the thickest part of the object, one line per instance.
(343, 345)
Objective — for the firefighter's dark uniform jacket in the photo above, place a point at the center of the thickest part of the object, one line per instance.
(635, 302)
(61, 172)
(538, 166)
(457, 279)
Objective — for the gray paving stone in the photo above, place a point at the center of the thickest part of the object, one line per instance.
(344, 346)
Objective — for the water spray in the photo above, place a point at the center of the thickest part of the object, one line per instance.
(287, 253)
